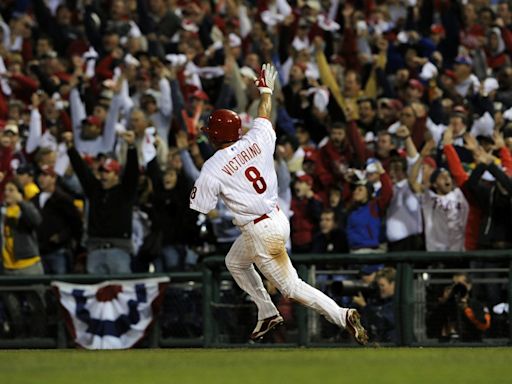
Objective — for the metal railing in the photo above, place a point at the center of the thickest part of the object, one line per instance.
(404, 291)
(213, 272)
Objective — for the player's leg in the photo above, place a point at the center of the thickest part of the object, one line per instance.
(240, 265)
(272, 260)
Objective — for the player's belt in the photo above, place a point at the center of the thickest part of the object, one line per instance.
(263, 217)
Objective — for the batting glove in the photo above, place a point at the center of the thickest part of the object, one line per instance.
(265, 81)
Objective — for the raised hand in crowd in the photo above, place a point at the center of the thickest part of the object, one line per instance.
(128, 137)
(470, 142)
(403, 132)
(448, 136)
(499, 141)
(428, 148)
(67, 138)
(481, 156)
(182, 140)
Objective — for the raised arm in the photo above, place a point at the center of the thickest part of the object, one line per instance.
(452, 158)
(416, 186)
(87, 179)
(35, 130)
(189, 167)
(29, 214)
(130, 177)
(265, 83)
(165, 104)
(410, 148)
(77, 111)
(109, 131)
(386, 192)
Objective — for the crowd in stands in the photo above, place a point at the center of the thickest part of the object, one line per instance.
(393, 117)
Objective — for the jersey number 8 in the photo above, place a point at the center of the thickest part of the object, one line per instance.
(258, 182)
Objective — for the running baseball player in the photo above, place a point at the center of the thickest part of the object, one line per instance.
(242, 173)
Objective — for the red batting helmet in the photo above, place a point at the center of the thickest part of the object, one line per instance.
(223, 126)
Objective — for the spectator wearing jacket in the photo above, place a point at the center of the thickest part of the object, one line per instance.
(20, 219)
(111, 199)
(491, 189)
(344, 148)
(177, 223)
(458, 315)
(379, 312)
(61, 226)
(365, 214)
(331, 237)
(306, 207)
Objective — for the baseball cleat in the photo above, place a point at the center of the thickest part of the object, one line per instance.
(265, 326)
(355, 327)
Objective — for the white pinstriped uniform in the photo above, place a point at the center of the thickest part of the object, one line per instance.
(243, 175)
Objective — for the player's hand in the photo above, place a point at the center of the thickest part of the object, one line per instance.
(266, 79)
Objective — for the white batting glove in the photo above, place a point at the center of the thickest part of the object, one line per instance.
(265, 81)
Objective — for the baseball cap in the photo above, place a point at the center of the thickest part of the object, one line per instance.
(371, 166)
(464, 60)
(110, 165)
(370, 268)
(436, 29)
(416, 84)
(306, 179)
(11, 127)
(93, 120)
(310, 155)
(25, 169)
(430, 161)
(48, 170)
(436, 173)
(390, 103)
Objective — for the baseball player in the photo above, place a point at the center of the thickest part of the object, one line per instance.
(242, 173)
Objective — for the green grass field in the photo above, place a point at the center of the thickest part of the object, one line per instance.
(246, 366)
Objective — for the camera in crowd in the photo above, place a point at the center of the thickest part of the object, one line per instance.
(352, 288)
(458, 291)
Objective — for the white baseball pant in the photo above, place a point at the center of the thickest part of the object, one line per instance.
(263, 244)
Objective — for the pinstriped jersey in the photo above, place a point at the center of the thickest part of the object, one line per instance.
(242, 175)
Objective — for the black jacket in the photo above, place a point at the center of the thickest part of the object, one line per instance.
(496, 204)
(110, 210)
(23, 231)
(60, 217)
(172, 214)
